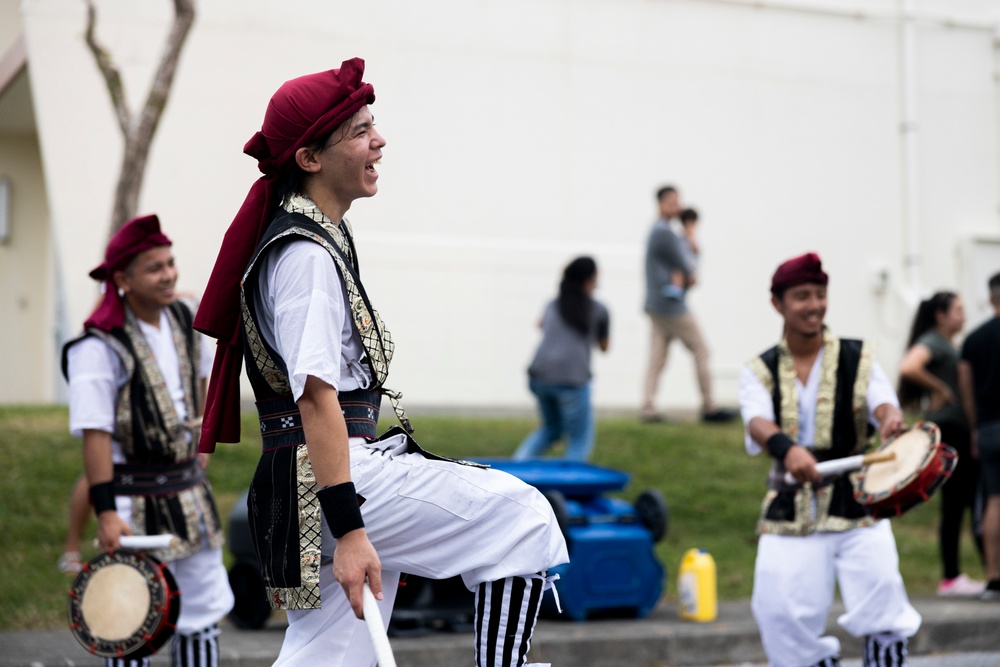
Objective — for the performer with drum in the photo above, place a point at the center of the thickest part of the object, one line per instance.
(136, 379)
(811, 398)
(331, 503)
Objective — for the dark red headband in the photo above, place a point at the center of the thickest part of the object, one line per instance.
(136, 236)
(799, 270)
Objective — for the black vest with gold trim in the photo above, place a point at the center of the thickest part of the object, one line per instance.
(841, 430)
(169, 490)
(285, 518)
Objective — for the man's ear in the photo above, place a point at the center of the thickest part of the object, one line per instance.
(306, 160)
(778, 306)
(120, 280)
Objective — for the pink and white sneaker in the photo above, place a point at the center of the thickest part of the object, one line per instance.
(961, 586)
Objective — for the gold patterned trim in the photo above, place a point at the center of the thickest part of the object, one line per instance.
(789, 392)
(827, 523)
(175, 439)
(763, 374)
(123, 409)
(859, 407)
(275, 377)
(826, 397)
(306, 595)
(800, 526)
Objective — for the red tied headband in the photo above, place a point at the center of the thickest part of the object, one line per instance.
(299, 113)
(135, 236)
(806, 268)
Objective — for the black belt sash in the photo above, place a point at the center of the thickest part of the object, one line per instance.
(157, 480)
(281, 421)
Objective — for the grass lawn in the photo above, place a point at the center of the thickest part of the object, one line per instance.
(713, 490)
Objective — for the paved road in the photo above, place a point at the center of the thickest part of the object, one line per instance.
(955, 633)
(943, 660)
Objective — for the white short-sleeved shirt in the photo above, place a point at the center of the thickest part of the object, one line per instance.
(97, 374)
(756, 401)
(302, 314)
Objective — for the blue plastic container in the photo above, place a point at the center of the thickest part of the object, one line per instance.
(613, 569)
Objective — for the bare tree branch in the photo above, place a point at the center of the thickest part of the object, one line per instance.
(112, 78)
(139, 131)
(140, 134)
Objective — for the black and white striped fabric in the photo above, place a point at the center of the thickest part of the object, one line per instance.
(885, 650)
(198, 649)
(832, 661)
(118, 662)
(506, 612)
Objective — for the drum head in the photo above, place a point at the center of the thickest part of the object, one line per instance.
(116, 602)
(123, 605)
(913, 449)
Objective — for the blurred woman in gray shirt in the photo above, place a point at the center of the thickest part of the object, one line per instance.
(559, 374)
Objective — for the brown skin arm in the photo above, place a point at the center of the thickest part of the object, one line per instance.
(914, 368)
(798, 461)
(326, 441)
(98, 466)
(203, 459)
(967, 391)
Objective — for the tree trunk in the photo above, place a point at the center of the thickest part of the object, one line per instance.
(138, 130)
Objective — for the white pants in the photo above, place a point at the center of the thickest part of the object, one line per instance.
(434, 519)
(793, 589)
(202, 579)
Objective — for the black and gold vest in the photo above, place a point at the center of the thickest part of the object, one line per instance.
(841, 430)
(170, 493)
(285, 515)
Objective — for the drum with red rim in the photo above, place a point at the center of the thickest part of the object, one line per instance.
(124, 604)
(921, 465)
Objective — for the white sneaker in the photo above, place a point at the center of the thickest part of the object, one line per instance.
(961, 586)
(70, 562)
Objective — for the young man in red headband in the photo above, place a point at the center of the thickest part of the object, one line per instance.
(332, 503)
(136, 388)
(812, 397)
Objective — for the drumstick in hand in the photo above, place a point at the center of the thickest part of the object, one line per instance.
(837, 466)
(383, 651)
(142, 542)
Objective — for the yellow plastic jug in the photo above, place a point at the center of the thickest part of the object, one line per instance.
(696, 587)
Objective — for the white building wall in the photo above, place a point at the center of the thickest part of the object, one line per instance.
(27, 330)
(523, 133)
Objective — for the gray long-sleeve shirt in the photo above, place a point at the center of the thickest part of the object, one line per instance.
(663, 256)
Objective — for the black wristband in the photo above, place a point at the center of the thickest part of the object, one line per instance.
(102, 497)
(778, 445)
(340, 507)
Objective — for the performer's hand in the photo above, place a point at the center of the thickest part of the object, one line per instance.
(355, 559)
(203, 460)
(110, 528)
(801, 464)
(891, 425)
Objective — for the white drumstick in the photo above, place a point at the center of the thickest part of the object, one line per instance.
(380, 640)
(146, 541)
(837, 466)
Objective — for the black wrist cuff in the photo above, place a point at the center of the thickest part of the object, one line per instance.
(340, 507)
(102, 497)
(778, 445)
